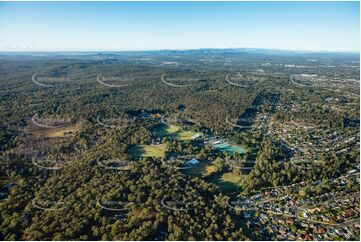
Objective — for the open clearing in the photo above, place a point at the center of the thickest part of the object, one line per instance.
(201, 169)
(165, 130)
(231, 177)
(197, 170)
(173, 132)
(172, 129)
(209, 169)
(227, 181)
(57, 132)
(185, 135)
(147, 150)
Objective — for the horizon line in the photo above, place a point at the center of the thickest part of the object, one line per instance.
(177, 49)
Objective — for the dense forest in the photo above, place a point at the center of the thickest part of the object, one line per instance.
(61, 201)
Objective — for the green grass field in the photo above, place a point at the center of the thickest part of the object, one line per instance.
(227, 181)
(147, 150)
(185, 135)
(172, 129)
(197, 170)
(204, 167)
(231, 177)
(174, 132)
(165, 130)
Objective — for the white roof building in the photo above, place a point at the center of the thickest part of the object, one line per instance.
(193, 161)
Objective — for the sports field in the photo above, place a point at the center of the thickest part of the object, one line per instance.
(201, 169)
(173, 132)
(147, 150)
(227, 181)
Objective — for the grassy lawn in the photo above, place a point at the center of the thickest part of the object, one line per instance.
(231, 177)
(185, 135)
(204, 167)
(162, 130)
(209, 169)
(173, 131)
(57, 132)
(147, 150)
(197, 170)
(227, 181)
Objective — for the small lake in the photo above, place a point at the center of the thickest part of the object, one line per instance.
(229, 148)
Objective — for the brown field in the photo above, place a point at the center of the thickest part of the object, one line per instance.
(210, 169)
(60, 132)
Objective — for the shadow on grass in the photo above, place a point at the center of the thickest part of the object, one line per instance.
(224, 185)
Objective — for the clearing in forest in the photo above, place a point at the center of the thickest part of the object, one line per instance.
(148, 151)
(174, 132)
(60, 132)
(227, 181)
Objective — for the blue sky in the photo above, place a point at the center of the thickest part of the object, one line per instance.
(37, 26)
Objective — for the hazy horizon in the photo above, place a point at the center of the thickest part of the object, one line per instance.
(189, 49)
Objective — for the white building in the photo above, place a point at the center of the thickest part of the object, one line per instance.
(193, 162)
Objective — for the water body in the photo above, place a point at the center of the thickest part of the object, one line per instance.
(229, 148)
